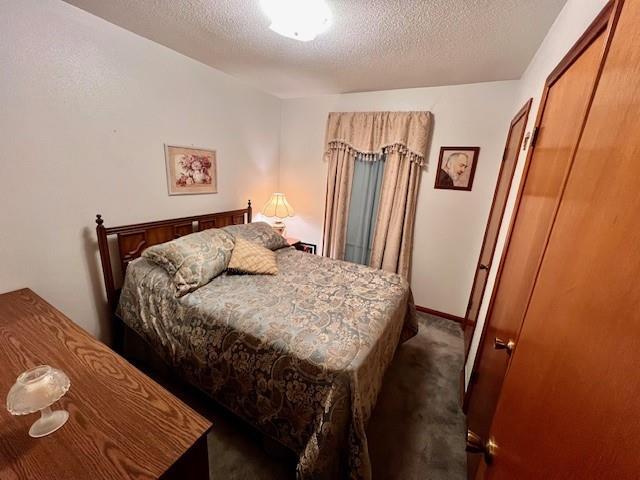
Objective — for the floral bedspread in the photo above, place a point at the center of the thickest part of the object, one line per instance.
(300, 355)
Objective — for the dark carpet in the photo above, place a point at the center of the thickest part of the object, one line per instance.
(416, 431)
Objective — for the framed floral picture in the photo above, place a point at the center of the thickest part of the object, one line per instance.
(190, 170)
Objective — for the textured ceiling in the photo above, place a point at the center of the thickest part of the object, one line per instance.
(371, 45)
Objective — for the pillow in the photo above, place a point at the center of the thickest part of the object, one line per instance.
(193, 260)
(251, 258)
(260, 233)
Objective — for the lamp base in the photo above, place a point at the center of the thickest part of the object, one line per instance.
(49, 422)
(279, 227)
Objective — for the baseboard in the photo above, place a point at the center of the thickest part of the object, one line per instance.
(448, 316)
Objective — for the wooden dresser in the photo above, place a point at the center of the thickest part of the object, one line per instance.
(121, 425)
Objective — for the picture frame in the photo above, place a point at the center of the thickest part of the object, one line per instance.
(190, 170)
(456, 168)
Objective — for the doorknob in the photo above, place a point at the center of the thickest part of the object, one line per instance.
(500, 344)
(483, 267)
(475, 444)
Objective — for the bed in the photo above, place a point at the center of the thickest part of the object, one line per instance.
(299, 355)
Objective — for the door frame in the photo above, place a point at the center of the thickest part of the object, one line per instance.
(604, 22)
(523, 112)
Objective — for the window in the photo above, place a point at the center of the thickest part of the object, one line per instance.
(363, 206)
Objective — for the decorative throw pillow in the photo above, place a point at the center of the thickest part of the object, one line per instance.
(193, 260)
(251, 258)
(260, 233)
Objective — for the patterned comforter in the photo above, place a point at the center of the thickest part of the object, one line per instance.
(300, 355)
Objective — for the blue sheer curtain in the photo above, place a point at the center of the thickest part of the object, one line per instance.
(363, 207)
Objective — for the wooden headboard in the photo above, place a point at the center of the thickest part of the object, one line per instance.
(133, 239)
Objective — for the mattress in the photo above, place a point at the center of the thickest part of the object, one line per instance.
(300, 355)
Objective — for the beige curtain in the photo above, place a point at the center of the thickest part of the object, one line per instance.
(339, 180)
(404, 138)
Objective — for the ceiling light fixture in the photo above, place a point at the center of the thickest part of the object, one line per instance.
(298, 19)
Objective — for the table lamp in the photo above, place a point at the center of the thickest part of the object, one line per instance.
(278, 207)
(36, 390)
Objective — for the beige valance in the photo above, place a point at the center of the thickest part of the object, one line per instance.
(372, 133)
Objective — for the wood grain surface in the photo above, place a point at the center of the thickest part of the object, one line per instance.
(562, 114)
(121, 425)
(569, 406)
(498, 206)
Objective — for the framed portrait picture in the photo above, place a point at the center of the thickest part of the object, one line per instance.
(191, 170)
(456, 168)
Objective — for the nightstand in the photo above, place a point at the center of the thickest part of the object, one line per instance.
(302, 246)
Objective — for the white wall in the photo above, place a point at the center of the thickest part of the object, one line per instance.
(573, 20)
(85, 108)
(449, 224)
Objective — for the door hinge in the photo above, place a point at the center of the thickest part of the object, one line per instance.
(534, 137)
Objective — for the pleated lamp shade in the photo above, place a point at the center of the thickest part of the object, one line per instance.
(277, 206)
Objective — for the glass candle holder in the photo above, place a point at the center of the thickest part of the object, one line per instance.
(36, 390)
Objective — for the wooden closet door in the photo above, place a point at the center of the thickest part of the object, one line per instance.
(500, 196)
(569, 406)
(563, 109)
